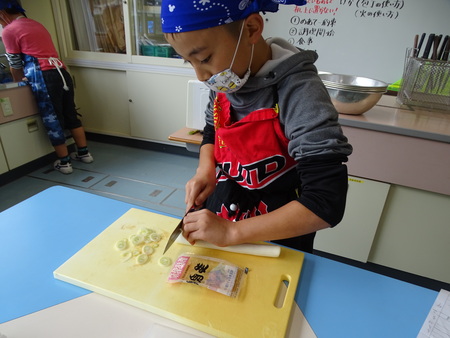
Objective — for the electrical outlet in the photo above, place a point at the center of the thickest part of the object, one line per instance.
(6, 106)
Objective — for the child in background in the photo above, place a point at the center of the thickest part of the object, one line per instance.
(33, 59)
(271, 129)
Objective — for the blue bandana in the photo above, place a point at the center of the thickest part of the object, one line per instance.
(11, 4)
(190, 15)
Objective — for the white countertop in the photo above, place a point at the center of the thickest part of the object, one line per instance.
(391, 117)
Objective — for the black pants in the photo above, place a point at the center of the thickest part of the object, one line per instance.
(62, 100)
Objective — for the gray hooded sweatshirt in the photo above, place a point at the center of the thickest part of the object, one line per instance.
(309, 120)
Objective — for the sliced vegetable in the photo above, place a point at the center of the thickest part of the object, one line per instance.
(121, 245)
(155, 237)
(147, 249)
(136, 239)
(145, 231)
(126, 256)
(142, 259)
(165, 261)
(141, 245)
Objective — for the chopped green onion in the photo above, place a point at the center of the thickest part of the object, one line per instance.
(146, 231)
(147, 249)
(155, 237)
(142, 259)
(126, 256)
(121, 245)
(136, 239)
(165, 261)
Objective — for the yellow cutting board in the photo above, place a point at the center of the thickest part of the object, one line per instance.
(254, 313)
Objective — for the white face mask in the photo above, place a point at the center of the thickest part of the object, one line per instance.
(228, 81)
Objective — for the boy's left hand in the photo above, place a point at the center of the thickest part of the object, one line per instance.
(206, 226)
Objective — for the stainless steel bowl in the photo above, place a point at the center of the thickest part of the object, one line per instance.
(353, 94)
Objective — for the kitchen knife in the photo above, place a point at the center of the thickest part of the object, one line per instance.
(420, 44)
(428, 46)
(436, 42)
(416, 40)
(178, 230)
(443, 54)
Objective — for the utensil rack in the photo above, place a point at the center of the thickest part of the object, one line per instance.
(426, 83)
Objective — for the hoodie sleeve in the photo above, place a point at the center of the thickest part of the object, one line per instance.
(316, 141)
(208, 130)
(323, 186)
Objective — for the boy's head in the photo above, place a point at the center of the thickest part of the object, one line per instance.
(214, 50)
(11, 6)
(221, 39)
(9, 9)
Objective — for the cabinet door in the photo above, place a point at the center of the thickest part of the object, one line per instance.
(102, 98)
(3, 163)
(353, 237)
(157, 104)
(24, 140)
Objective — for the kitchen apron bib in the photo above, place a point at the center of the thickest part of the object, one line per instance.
(33, 73)
(251, 154)
(256, 174)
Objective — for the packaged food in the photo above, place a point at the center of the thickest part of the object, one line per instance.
(215, 274)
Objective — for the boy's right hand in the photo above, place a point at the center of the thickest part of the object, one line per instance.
(199, 187)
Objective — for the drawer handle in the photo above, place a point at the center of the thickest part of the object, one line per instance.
(32, 125)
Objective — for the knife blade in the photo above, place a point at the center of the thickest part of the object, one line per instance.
(176, 232)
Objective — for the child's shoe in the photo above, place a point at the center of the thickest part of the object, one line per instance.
(86, 158)
(64, 168)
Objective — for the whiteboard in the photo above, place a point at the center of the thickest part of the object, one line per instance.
(359, 37)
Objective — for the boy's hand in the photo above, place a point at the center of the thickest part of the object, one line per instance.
(199, 187)
(206, 226)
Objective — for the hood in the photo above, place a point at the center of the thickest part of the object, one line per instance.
(300, 61)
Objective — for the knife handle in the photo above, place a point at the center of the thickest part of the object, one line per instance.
(422, 37)
(441, 50)
(437, 41)
(446, 49)
(428, 46)
(416, 41)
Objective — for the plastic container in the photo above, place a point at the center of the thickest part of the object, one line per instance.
(158, 50)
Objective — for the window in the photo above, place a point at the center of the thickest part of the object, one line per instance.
(97, 25)
(147, 32)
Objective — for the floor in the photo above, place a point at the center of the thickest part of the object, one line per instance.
(147, 178)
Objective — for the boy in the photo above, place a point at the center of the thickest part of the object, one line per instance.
(271, 129)
(33, 59)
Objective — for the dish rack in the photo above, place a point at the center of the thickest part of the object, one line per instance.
(426, 83)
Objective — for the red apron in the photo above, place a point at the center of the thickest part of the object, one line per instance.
(252, 153)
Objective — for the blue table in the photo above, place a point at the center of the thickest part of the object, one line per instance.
(42, 232)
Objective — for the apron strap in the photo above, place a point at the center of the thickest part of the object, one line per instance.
(55, 62)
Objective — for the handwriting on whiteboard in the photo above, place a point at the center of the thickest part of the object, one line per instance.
(437, 323)
(319, 18)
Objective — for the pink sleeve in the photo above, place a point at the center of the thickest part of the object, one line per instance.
(10, 41)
